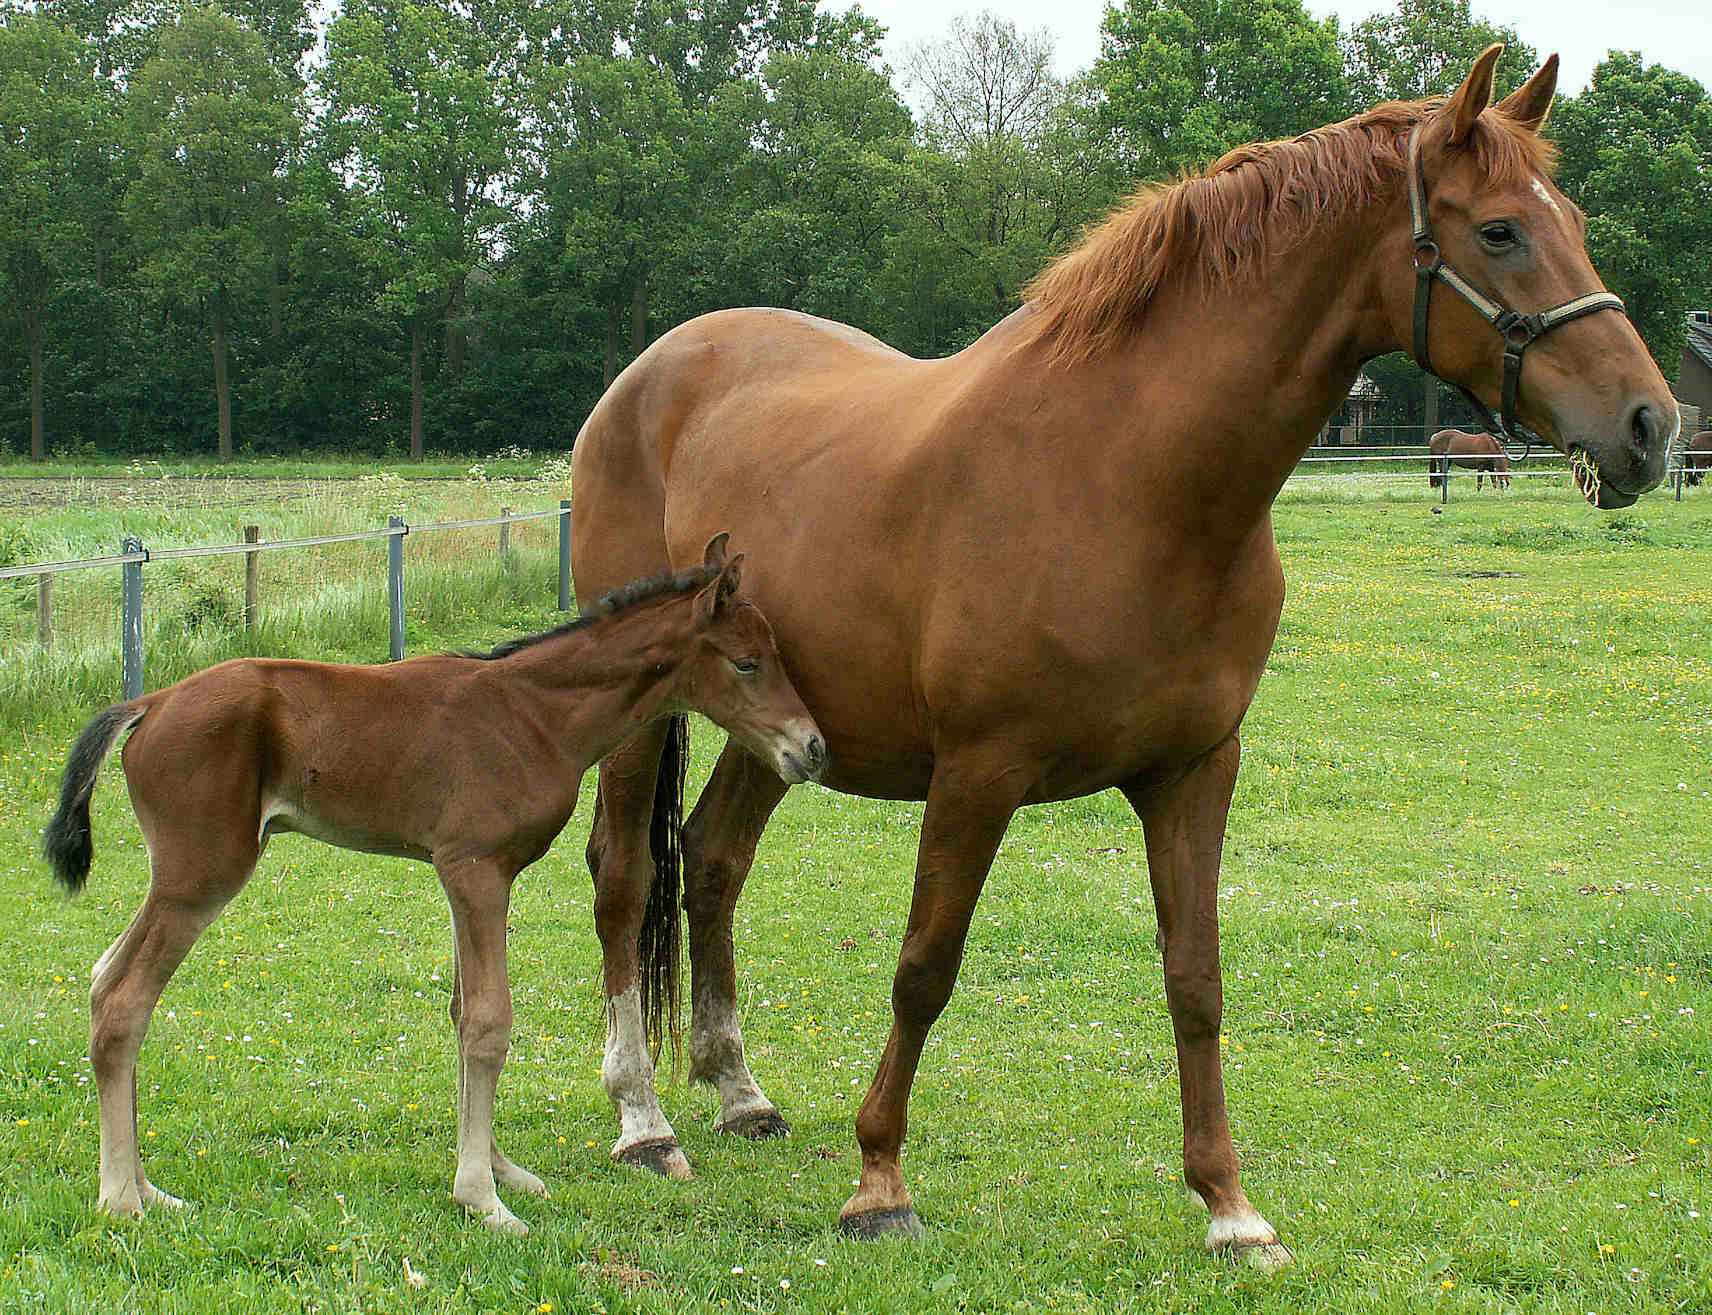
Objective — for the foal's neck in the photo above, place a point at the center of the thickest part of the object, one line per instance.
(612, 677)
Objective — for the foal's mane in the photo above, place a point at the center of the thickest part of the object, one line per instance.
(1223, 223)
(621, 599)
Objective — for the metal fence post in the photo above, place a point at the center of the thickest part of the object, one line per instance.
(44, 608)
(395, 586)
(252, 578)
(131, 619)
(1444, 483)
(564, 554)
(504, 532)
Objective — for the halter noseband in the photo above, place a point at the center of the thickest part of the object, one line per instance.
(1519, 331)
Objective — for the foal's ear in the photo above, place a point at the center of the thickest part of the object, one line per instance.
(1474, 95)
(711, 599)
(714, 555)
(1529, 104)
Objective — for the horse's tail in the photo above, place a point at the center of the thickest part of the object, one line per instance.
(659, 942)
(66, 843)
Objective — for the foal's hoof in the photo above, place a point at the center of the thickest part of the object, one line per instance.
(152, 1197)
(1262, 1256)
(868, 1225)
(756, 1125)
(519, 1180)
(500, 1220)
(662, 1156)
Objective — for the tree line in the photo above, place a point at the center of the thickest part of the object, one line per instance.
(231, 227)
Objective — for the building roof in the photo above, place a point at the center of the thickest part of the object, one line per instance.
(1699, 340)
(1364, 390)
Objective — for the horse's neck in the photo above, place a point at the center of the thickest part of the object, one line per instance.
(1224, 390)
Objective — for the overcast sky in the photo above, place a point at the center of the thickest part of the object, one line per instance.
(1676, 33)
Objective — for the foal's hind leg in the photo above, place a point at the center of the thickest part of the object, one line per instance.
(187, 890)
(480, 895)
(623, 870)
(719, 848)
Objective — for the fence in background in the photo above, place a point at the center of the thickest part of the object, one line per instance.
(133, 555)
(1399, 466)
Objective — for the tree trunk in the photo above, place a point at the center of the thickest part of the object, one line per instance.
(222, 384)
(456, 343)
(418, 332)
(611, 371)
(38, 430)
(639, 314)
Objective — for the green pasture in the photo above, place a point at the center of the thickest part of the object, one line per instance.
(1467, 947)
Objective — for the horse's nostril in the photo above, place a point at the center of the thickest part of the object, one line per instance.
(1644, 426)
(816, 752)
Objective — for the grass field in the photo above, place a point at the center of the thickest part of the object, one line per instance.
(1466, 940)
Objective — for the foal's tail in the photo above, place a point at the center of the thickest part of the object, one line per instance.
(658, 943)
(66, 843)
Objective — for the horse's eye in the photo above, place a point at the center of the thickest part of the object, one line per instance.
(745, 666)
(1498, 236)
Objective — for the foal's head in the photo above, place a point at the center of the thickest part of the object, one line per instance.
(733, 675)
(1588, 386)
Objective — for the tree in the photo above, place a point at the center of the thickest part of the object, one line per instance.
(1424, 48)
(54, 120)
(1637, 158)
(211, 124)
(422, 117)
(1184, 81)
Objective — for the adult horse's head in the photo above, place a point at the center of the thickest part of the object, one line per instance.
(734, 676)
(1505, 250)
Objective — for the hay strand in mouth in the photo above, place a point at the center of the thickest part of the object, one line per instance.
(1586, 475)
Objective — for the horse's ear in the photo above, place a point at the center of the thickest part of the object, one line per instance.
(715, 552)
(711, 600)
(1529, 104)
(731, 577)
(1470, 100)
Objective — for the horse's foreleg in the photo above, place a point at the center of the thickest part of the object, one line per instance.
(1184, 823)
(124, 987)
(719, 848)
(622, 867)
(969, 804)
(479, 892)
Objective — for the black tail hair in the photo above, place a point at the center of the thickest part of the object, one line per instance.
(658, 944)
(66, 843)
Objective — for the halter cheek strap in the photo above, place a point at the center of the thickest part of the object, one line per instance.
(1519, 331)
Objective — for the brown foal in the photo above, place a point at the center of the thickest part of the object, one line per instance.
(470, 761)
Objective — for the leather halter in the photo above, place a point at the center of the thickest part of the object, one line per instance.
(1519, 331)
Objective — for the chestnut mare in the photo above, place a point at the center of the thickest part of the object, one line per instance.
(470, 761)
(1481, 453)
(1080, 586)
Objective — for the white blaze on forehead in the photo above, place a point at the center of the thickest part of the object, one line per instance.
(1544, 193)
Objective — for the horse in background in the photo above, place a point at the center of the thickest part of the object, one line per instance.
(471, 761)
(1481, 453)
(1697, 457)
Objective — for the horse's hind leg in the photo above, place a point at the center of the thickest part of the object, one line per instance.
(480, 895)
(621, 864)
(719, 848)
(188, 888)
(1183, 821)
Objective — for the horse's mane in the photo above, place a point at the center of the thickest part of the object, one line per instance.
(1223, 223)
(621, 599)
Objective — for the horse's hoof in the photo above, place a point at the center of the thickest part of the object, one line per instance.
(868, 1225)
(152, 1196)
(662, 1156)
(520, 1180)
(1265, 1257)
(756, 1125)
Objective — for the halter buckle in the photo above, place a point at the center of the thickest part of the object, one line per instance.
(1519, 330)
(1430, 250)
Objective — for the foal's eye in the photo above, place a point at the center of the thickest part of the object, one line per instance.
(1498, 236)
(745, 666)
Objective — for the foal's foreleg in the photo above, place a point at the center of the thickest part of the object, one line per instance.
(719, 849)
(124, 987)
(480, 895)
(505, 1172)
(1184, 822)
(622, 867)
